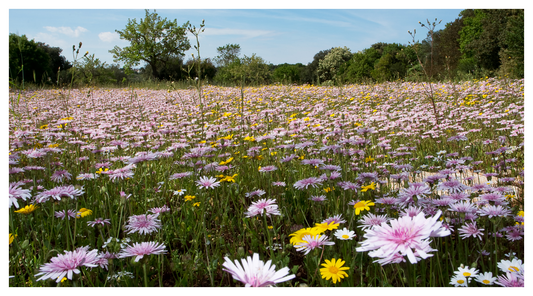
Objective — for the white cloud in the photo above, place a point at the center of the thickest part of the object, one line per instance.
(50, 40)
(109, 36)
(67, 30)
(242, 32)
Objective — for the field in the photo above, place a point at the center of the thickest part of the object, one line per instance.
(137, 187)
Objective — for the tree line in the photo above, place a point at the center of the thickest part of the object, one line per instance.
(479, 43)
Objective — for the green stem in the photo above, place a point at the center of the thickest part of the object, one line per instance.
(145, 277)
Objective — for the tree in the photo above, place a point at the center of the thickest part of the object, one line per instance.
(327, 67)
(310, 75)
(152, 40)
(57, 61)
(512, 52)
(208, 69)
(226, 54)
(27, 61)
(447, 48)
(93, 71)
(252, 69)
(287, 73)
(394, 62)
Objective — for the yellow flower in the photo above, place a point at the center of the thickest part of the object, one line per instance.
(369, 159)
(99, 171)
(298, 235)
(27, 209)
(329, 189)
(226, 161)
(325, 226)
(196, 204)
(189, 197)
(229, 178)
(371, 186)
(333, 270)
(11, 238)
(362, 205)
(83, 212)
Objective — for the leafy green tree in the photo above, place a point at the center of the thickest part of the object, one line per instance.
(327, 67)
(27, 60)
(227, 54)
(483, 37)
(95, 72)
(447, 48)
(359, 68)
(153, 40)
(57, 61)
(248, 69)
(208, 69)
(512, 43)
(310, 74)
(172, 69)
(286, 73)
(393, 63)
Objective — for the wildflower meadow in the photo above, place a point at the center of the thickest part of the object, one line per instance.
(367, 185)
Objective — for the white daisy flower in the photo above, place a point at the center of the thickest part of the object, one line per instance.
(345, 234)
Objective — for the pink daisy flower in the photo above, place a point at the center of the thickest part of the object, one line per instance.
(59, 175)
(160, 210)
(207, 182)
(141, 249)
(99, 221)
(66, 264)
(405, 235)
(65, 214)
(370, 220)
(313, 182)
(311, 242)
(269, 205)
(15, 193)
(255, 273)
(510, 279)
(269, 168)
(59, 192)
(337, 219)
(143, 224)
(470, 229)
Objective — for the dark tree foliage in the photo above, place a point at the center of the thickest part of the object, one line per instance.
(57, 61)
(287, 73)
(447, 48)
(310, 74)
(208, 69)
(172, 69)
(393, 63)
(512, 44)
(484, 38)
(27, 60)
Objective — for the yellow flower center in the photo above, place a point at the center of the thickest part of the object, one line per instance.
(333, 269)
(486, 282)
(467, 274)
(345, 236)
(461, 281)
(513, 269)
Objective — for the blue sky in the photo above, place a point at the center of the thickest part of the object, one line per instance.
(276, 35)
